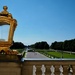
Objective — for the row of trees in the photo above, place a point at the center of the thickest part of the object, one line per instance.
(40, 45)
(37, 45)
(67, 45)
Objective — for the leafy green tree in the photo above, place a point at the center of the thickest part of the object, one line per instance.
(17, 45)
(53, 45)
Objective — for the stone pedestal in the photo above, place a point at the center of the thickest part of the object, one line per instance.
(10, 68)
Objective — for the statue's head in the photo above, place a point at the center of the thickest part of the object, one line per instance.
(5, 8)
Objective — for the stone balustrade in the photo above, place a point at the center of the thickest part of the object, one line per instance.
(49, 67)
(38, 67)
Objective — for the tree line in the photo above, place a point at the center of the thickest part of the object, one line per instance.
(67, 45)
(37, 45)
(40, 45)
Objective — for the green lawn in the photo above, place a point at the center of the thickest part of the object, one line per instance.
(59, 54)
(56, 54)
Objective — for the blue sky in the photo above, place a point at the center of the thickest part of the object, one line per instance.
(42, 20)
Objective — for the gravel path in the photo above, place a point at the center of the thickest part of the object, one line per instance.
(34, 55)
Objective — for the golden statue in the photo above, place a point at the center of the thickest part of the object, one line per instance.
(6, 18)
